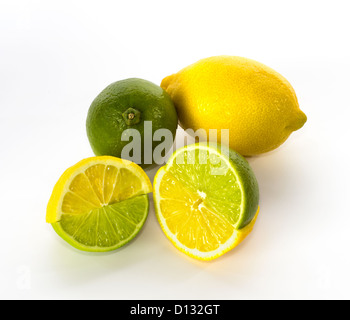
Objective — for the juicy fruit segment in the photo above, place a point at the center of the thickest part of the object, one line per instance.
(202, 206)
(194, 222)
(257, 104)
(106, 227)
(100, 204)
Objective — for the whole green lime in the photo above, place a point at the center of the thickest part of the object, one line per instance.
(130, 119)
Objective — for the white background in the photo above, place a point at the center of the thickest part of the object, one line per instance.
(56, 56)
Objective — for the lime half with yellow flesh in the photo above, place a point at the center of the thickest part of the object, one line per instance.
(100, 204)
(206, 200)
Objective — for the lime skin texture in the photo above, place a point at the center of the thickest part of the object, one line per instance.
(127, 104)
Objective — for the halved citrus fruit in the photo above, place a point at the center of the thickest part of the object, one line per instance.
(206, 200)
(100, 204)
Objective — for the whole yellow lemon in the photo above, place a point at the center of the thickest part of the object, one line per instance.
(256, 104)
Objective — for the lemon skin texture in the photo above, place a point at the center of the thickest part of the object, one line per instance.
(257, 104)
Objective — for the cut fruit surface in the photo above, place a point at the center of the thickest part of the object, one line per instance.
(206, 200)
(100, 204)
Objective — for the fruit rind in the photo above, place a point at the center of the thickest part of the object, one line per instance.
(249, 184)
(106, 124)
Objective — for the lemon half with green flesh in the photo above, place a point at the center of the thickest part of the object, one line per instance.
(206, 200)
(100, 204)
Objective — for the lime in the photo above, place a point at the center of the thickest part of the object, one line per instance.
(206, 200)
(134, 104)
(100, 204)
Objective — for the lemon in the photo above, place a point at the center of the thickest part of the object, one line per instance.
(99, 204)
(256, 104)
(206, 200)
